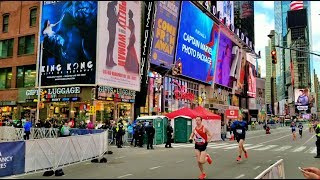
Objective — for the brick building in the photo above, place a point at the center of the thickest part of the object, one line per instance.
(19, 26)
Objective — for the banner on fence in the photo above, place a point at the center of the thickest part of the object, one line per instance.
(12, 158)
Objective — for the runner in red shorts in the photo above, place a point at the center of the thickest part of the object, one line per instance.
(201, 137)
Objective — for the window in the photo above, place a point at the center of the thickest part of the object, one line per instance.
(26, 45)
(5, 78)
(5, 26)
(6, 48)
(33, 17)
(26, 76)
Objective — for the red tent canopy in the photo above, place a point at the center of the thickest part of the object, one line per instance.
(184, 112)
(208, 114)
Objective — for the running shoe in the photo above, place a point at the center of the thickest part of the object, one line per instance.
(238, 158)
(209, 159)
(246, 154)
(203, 176)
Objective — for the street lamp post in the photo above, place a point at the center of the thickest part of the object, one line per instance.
(39, 81)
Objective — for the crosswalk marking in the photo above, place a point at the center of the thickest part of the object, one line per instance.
(283, 148)
(299, 149)
(236, 146)
(266, 147)
(256, 146)
(311, 149)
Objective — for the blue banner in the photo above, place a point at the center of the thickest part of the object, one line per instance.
(68, 33)
(165, 31)
(12, 158)
(197, 43)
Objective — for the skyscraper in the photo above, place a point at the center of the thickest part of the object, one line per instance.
(289, 35)
(244, 18)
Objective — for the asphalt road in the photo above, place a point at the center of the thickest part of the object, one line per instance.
(179, 162)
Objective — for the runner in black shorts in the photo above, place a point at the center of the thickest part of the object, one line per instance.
(239, 130)
(201, 137)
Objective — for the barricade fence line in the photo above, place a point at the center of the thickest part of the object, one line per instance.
(53, 153)
(275, 171)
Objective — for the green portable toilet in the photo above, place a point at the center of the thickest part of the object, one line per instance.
(159, 124)
(182, 129)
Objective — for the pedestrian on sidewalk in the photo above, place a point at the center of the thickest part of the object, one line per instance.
(169, 135)
(202, 137)
(150, 131)
(317, 130)
(27, 128)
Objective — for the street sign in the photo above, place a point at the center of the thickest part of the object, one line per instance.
(232, 114)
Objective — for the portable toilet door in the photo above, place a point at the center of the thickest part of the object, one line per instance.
(182, 129)
(165, 124)
(158, 126)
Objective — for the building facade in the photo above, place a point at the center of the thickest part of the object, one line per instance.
(19, 27)
(294, 69)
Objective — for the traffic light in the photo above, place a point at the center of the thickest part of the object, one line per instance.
(274, 57)
(179, 68)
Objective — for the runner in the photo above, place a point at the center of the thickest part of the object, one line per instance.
(293, 129)
(300, 129)
(202, 136)
(239, 130)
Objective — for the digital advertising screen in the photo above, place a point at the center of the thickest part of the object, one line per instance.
(197, 43)
(226, 11)
(251, 80)
(224, 62)
(68, 34)
(165, 32)
(301, 97)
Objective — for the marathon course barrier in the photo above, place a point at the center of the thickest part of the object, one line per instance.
(275, 171)
(50, 154)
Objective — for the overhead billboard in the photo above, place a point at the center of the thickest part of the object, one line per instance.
(197, 43)
(68, 33)
(251, 76)
(224, 62)
(165, 32)
(226, 11)
(119, 44)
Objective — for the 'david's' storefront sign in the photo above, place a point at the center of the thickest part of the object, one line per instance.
(116, 94)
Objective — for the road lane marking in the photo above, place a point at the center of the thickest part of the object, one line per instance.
(180, 161)
(308, 140)
(256, 167)
(140, 153)
(234, 147)
(282, 148)
(299, 149)
(312, 149)
(266, 147)
(156, 167)
(120, 157)
(87, 163)
(256, 146)
(126, 175)
(238, 177)
(269, 160)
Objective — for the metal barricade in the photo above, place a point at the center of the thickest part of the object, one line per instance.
(53, 153)
(9, 133)
(275, 171)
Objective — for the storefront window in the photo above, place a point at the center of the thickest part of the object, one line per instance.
(26, 76)
(175, 92)
(5, 78)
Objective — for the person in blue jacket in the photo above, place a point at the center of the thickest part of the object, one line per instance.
(27, 127)
(239, 128)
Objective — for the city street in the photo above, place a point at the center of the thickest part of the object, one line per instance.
(179, 162)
